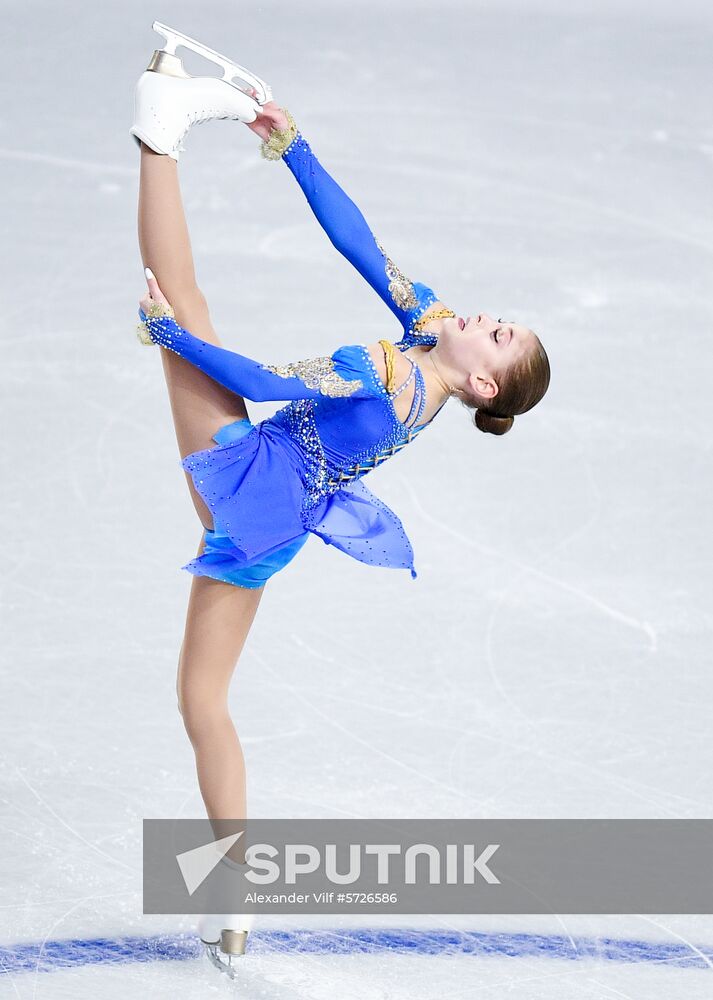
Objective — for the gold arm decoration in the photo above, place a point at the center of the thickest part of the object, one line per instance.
(400, 287)
(438, 314)
(155, 309)
(389, 349)
(317, 373)
(279, 139)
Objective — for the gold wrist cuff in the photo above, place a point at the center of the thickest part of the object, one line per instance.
(280, 138)
(155, 309)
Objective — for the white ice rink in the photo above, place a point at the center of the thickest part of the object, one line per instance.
(550, 163)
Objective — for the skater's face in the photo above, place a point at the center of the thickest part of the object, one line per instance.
(481, 348)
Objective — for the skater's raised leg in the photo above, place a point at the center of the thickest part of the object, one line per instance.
(200, 406)
(219, 614)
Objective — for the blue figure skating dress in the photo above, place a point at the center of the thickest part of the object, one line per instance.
(300, 472)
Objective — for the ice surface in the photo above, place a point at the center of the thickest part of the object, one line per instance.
(548, 163)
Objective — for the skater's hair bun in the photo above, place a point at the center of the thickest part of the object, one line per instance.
(520, 387)
(491, 423)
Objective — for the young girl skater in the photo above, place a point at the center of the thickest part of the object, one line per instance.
(261, 490)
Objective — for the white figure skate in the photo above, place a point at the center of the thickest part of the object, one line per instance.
(168, 100)
(225, 936)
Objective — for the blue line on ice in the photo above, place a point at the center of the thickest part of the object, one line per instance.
(64, 954)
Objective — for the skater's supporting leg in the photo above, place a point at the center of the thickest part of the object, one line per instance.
(199, 405)
(217, 624)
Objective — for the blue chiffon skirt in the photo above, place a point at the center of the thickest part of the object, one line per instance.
(218, 559)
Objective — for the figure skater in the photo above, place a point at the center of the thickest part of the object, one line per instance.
(260, 490)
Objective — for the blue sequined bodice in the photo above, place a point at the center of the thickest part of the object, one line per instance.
(338, 451)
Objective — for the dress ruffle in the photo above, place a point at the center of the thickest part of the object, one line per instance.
(253, 488)
(356, 521)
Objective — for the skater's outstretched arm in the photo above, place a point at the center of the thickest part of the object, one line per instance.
(334, 375)
(337, 214)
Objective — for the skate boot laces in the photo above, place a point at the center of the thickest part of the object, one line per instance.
(197, 118)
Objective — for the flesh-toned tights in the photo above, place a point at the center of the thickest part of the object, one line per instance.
(219, 614)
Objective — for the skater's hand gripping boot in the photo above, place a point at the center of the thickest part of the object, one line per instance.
(154, 303)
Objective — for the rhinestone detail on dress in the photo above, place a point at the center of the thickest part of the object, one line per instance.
(297, 418)
(322, 478)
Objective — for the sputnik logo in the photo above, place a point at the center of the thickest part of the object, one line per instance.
(197, 864)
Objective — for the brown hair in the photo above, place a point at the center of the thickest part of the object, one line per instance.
(520, 387)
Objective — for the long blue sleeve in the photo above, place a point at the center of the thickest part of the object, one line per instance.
(333, 375)
(349, 232)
